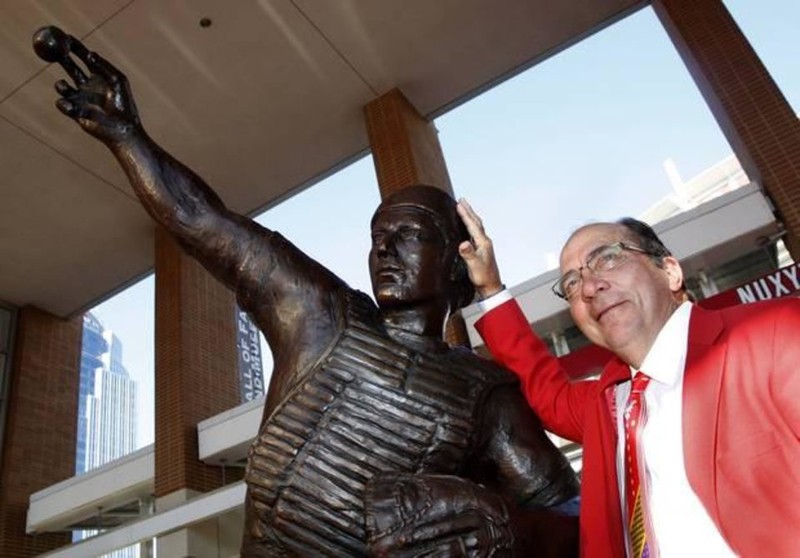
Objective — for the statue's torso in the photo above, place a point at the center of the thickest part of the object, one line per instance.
(370, 406)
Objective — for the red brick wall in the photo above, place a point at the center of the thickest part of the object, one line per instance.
(40, 437)
(195, 367)
(757, 120)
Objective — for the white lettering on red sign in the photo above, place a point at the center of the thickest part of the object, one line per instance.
(781, 283)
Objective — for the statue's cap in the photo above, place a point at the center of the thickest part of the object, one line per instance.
(437, 203)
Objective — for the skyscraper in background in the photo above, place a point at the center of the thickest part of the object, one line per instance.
(106, 406)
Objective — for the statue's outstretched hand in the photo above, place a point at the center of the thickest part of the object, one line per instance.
(101, 102)
(478, 253)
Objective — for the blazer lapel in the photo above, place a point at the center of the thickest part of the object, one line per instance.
(702, 383)
(608, 515)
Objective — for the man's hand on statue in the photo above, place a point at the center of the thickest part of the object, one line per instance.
(100, 102)
(478, 253)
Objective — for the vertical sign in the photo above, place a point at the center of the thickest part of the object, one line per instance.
(251, 374)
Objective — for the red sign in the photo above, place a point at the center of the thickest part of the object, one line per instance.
(782, 282)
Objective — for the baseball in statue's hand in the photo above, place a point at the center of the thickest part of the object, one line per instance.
(51, 44)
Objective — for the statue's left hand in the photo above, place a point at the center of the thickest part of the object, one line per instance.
(409, 516)
(101, 102)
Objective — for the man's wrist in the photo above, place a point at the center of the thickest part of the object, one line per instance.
(483, 294)
(490, 303)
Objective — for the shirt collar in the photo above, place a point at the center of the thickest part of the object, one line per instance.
(665, 360)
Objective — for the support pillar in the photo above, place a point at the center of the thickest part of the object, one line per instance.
(406, 151)
(196, 373)
(754, 115)
(405, 146)
(41, 425)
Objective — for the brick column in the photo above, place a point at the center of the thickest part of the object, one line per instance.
(195, 368)
(752, 112)
(406, 151)
(405, 146)
(41, 426)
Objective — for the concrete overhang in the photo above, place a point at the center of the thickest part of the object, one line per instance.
(263, 102)
(77, 500)
(211, 505)
(225, 438)
(717, 231)
(84, 500)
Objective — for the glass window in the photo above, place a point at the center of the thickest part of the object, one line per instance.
(5, 330)
(6, 325)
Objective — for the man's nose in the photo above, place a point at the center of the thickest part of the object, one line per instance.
(591, 284)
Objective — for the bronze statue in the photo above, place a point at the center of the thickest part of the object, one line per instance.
(377, 439)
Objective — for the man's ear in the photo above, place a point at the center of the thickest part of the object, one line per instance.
(674, 273)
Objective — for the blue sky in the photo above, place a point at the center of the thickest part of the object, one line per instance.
(582, 136)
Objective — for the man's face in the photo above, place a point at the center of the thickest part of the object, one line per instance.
(407, 258)
(622, 309)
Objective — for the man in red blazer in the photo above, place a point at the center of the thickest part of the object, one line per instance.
(720, 446)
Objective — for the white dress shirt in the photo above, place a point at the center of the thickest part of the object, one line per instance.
(680, 523)
(677, 518)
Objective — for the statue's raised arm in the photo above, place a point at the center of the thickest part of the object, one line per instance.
(269, 275)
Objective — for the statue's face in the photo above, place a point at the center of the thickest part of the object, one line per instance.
(408, 259)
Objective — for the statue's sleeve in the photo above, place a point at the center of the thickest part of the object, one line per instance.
(290, 296)
(513, 454)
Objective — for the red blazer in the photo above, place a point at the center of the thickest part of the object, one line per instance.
(741, 422)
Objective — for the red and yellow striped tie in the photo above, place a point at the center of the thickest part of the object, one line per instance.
(635, 416)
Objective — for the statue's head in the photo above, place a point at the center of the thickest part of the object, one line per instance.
(414, 257)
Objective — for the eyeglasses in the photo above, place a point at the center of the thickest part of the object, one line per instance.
(601, 259)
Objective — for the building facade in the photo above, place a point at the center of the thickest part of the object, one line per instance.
(106, 408)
